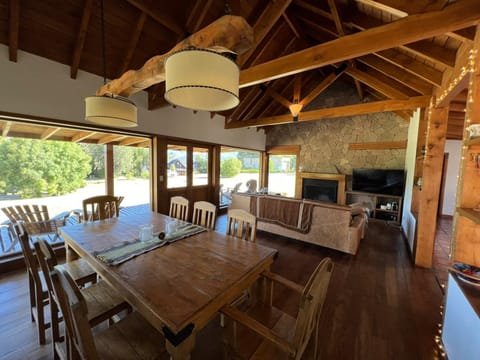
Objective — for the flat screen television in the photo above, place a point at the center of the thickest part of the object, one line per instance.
(379, 181)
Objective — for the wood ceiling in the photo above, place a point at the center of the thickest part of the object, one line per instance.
(395, 53)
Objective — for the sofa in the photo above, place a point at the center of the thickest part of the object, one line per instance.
(321, 223)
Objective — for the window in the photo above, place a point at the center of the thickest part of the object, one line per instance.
(237, 168)
(282, 171)
(176, 166)
(200, 166)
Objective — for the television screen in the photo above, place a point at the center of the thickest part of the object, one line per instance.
(379, 181)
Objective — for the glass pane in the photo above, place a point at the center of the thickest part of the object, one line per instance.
(200, 166)
(132, 174)
(176, 166)
(238, 169)
(282, 174)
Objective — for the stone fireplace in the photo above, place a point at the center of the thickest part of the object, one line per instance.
(323, 187)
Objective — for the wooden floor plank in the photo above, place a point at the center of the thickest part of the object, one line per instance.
(379, 306)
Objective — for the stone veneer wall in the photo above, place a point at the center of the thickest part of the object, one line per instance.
(324, 143)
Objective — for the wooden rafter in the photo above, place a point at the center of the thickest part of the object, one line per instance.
(377, 84)
(48, 133)
(415, 67)
(82, 136)
(110, 138)
(158, 16)
(425, 49)
(397, 74)
(276, 96)
(263, 25)
(6, 128)
(133, 42)
(316, 10)
(82, 33)
(340, 111)
(197, 15)
(13, 26)
(329, 80)
(291, 25)
(297, 87)
(131, 141)
(409, 29)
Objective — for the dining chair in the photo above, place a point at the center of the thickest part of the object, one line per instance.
(204, 214)
(39, 298)
(179, 207)
(132, 337)
(266, 332)
(241, 224)
(102, 300)
(101, 207)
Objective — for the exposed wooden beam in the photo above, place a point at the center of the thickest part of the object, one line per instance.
(329, 80)
(131, 141)
(82, 136)
(13, 26)
(48, 133)
(276, 96)
(404, 114)
(382, 145)
(144, 144)
(263, 25)
(231, 32)
(397, 74)
(82, 33)
(409, 29)
(197, 15)
(375, 83)
(6, 128)
(408, 7)
(159, 16)
(425, 49)
(415, 67)
(340, 111)
(291, 25)
(313, 9)
(133, 42)
(297, 87)
(109, 139)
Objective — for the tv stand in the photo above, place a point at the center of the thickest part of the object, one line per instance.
(378, 203)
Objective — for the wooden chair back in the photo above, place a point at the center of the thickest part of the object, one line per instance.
(179, 208)
(47, 260)
(310, 307)
(204, 214)
(38, 297)
(241, 224)
(75, 314)
(101, 207)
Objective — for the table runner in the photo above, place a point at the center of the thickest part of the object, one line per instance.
(129, 249)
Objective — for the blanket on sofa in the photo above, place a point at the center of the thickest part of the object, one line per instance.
(290, 213)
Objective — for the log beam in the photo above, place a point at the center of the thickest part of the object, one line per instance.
(231, 32)
(82, 33)
(340, 111)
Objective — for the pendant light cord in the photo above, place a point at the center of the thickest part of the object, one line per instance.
(102, 28)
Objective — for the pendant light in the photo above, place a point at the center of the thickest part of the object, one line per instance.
(109, 109)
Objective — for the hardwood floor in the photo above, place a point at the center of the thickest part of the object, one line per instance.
(379, 306)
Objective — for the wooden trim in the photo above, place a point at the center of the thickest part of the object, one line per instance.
(109, 170)
(341, 178)
(385, 145)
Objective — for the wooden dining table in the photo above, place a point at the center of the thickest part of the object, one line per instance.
(178, 287)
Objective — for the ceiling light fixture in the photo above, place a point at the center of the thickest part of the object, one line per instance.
(109, 109)
(202, 79)
(295, 109)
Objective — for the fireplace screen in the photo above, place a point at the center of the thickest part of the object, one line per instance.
(317, 189)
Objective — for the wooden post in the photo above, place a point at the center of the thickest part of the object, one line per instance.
(432, 173)
(109, 170)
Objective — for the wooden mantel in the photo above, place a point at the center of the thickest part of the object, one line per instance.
(308, 175)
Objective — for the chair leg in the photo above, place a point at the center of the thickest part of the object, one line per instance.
(40, 320)
(315, 348)
(32, 292)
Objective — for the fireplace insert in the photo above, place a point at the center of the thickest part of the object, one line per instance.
(319, 189)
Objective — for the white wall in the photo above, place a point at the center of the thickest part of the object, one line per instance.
(40, 87)
(454, 150)
(408, 220)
